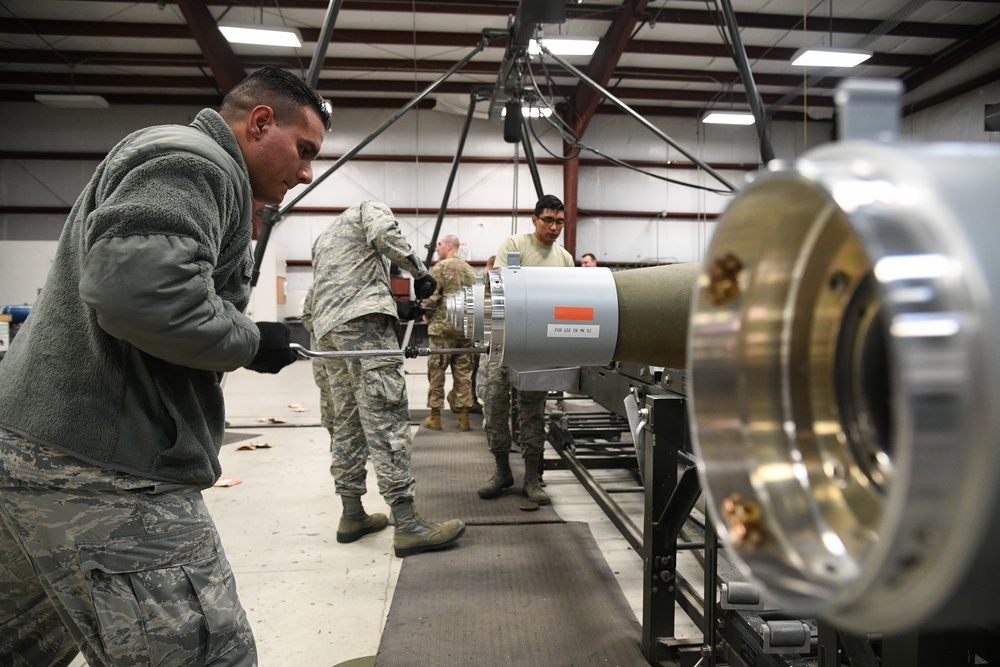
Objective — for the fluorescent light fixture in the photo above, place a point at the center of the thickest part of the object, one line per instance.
(564, 46)
(530, 112)
(728, 118)
(72, 101)
(261, 35)
(829, 57)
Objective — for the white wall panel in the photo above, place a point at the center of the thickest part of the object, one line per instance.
(43, 182)
(644, 241)
(25, 264)
(405, 185)
(33, 127)
(960, 119)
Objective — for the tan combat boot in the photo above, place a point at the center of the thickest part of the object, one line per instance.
(433, 420)
(532, 481)
(502, 479)
(463, 420)
(415, 535)
(356, 523)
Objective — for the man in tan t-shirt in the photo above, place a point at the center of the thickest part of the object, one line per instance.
(537, 249)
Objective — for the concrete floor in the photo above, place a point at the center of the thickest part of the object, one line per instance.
(310, 600)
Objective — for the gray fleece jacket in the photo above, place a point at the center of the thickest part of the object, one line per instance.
(120, 360)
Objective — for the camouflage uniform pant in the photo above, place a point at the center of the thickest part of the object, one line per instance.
(461, 372)
(371, 413)
(325, 402)
(495, 390)
(128, 570)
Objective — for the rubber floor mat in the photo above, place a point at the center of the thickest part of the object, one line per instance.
(450, 465)
(511, 596)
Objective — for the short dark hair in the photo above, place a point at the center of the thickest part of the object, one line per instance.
(550, 202)
(590, 255)
(282, 91)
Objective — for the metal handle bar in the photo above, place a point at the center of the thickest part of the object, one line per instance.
(410, 352)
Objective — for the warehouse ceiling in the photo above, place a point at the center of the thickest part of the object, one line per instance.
(661, 57)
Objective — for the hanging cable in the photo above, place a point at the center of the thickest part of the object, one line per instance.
(513, 210)
(569, 136)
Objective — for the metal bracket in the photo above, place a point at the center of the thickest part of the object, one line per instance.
(638, 418)
(868, 108)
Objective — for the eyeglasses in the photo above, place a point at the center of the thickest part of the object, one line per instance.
(557, 222)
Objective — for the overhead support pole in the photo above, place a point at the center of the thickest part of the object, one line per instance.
(488, 36)
(316, 66)
(642, 121)
(474, 98)
(226, 67)
(271, 215)
(753, 96)
(529, 155)
(571, 183)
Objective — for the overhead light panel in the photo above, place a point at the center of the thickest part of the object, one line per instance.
(564, 46)
(728, 118)
(72, 101)
(261, 35)
(829, 57)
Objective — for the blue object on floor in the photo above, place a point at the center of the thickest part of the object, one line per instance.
(17, 313)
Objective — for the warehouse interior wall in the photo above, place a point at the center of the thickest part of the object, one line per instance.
(625, 217)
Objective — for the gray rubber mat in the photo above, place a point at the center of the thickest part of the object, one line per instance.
(450, 465)
(232, 437)
(511, 596)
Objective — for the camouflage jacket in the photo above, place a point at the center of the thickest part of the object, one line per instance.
(451, 274)
(351, 261)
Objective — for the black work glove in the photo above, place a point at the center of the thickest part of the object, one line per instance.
(425, 286)
(409, 310)
(273, 354)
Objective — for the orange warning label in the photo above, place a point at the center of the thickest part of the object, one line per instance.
(574, 313)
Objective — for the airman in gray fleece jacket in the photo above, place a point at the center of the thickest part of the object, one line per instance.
(111, 409)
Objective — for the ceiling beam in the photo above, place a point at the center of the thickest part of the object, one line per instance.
(338, 88)
(601, 12)
(226, 67)
(987, 35)
(585, 98)
(407, 38)
(213, 100)
(818, 23)
(396, 65)
(359, 102)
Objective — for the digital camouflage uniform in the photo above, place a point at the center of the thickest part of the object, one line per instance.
(529, 426)
(126, 544)
(353, 309)
(112, 388)
(319, 375)
(452, 274)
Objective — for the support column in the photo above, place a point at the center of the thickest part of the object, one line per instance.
(571, 182)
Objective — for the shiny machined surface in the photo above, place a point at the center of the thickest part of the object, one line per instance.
(843, 366)
(494, 312)
(472, 303)
(542, 317)
(454, 309)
